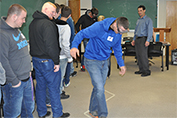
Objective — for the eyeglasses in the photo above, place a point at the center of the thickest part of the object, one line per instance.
(120, 30)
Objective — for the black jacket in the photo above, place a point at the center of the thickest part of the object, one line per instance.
(43, 38)
(85, 21)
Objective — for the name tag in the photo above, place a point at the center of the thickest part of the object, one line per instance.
(110, 38)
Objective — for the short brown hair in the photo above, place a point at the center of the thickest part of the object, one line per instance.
(65, 11)
(58, 7)
(94, 11)
(123, 21)
(15, 9)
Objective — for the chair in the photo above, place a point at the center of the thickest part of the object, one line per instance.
(155, 49)
(128, 49)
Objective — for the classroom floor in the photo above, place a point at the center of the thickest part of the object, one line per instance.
(130, 96)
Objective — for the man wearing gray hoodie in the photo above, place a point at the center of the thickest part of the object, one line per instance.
(15, 59)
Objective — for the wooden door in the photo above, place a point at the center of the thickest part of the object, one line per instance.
(75, 7)
(171, 21)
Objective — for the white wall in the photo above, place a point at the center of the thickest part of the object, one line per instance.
(85, 4)
(65, 2)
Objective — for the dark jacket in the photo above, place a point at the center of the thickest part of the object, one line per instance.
(85, 21)
(43, 38)
(14, 54)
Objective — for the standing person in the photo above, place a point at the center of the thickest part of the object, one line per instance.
(84, 21)
(64, 39)
(103, 36)
(58, 12)
(142, 36)
(70, 68)
(15, 59)
(44, 49)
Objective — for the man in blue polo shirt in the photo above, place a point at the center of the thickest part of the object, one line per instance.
(142, 36)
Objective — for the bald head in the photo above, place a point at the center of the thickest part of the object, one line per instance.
(49, 9)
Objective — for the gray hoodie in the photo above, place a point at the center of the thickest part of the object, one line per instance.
(14, 54)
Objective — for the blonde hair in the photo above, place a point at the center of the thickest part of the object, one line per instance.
(101, 17)
(47, 4)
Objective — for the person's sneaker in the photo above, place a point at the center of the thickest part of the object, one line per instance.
(93, 114)
(83, 68)
(65, 115)
(66, 85)
(73, 74)
(63, 95)
(46, 115)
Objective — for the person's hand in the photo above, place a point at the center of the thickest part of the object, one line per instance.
(56, 68)
(147, 44)
(17, 85)
(122, 70)
(133, 43)
(73, 52)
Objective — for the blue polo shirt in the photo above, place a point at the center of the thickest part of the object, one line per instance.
(144, 27)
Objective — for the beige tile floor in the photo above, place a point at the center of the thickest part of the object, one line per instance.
(130, 96)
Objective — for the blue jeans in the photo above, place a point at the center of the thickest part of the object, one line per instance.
(85, 41)
(63, 64)
(45, 76)
(0, 94)
(47, 91)
(18, 101)
(72, 68)
(98, 72)
(67, 74)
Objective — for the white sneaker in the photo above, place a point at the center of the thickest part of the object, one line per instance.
(66, 85)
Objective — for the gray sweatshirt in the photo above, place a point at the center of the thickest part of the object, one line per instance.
(64, 39)
(14, 54)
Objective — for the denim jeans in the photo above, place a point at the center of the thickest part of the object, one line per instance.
(47, 92)
(98, 72)
(109, 66)
(85, 41)
(18, 101)
(0, 94)
(71, 68)
(63, 64)
(67, 74)
(45, 76)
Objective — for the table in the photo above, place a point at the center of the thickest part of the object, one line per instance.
(166, 44)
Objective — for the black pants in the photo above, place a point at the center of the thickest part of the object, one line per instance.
(142, 54)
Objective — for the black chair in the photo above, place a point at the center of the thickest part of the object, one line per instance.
(128, 50)
(155, 49)
(130, 39)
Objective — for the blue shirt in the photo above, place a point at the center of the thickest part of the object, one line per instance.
(101, 40)
(71, 24)
(144, 27)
